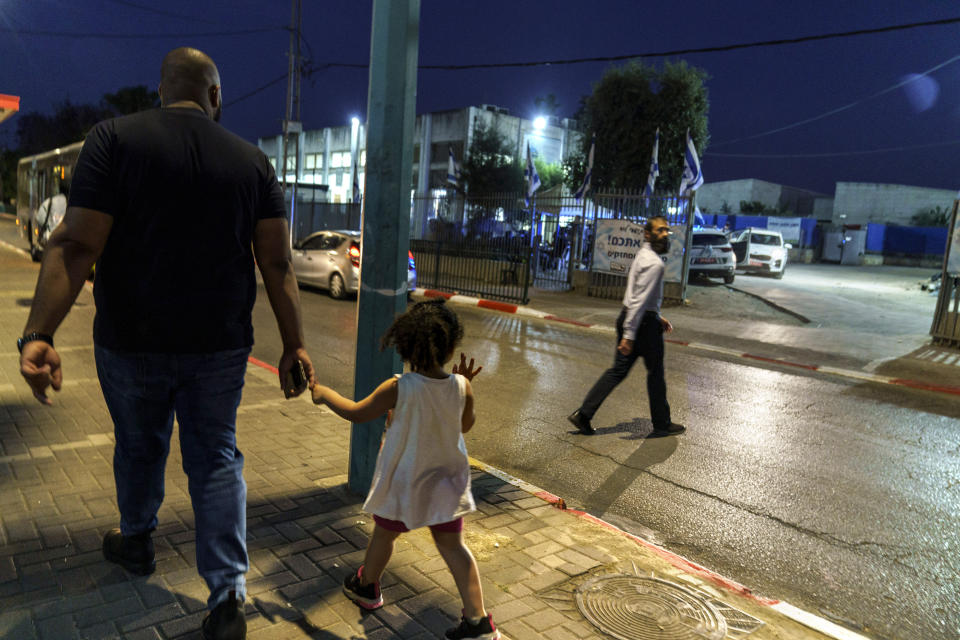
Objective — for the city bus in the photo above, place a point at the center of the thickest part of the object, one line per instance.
(43, 181)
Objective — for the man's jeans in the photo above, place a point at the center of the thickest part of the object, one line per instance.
(143, 392)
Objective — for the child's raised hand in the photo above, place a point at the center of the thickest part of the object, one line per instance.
(467, 371)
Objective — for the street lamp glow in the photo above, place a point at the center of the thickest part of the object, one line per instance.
(539, 123)
(355, 121)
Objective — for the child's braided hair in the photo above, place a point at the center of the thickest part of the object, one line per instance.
(425, 335)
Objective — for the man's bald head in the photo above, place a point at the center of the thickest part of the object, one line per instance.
(189, 74)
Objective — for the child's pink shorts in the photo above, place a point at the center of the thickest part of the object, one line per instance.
(454, 526)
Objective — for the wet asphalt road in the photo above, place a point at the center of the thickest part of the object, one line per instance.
(839, 498)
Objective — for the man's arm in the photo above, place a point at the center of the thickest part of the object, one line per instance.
(272, 250)
(72, 250)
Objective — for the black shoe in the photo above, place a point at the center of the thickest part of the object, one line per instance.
(226, 621)
(368, 597)
(133, 553)
(483, 630)
(671, 429)
(581, 422)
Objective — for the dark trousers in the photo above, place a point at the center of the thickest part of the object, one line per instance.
(649, 345)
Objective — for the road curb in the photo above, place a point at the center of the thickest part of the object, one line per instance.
(813, 621)
(802, 318)
(852, 374)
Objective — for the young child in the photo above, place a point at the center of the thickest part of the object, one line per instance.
(422, 475)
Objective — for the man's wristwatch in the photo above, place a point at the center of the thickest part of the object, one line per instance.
(30, 337)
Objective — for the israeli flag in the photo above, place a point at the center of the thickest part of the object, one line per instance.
(692, 175)
(356, 185)
(453, 171)
(585, 186)
(532, 178)
(654, 167)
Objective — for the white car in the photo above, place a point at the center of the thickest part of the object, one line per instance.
(761, 251)
(711, 255)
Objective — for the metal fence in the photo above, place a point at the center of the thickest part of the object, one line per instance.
(314, 213)
(497, 246)
(494, 245)
(634, 207)
(946, 319)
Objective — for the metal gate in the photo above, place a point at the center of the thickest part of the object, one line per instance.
(946, 319)
(635, 207)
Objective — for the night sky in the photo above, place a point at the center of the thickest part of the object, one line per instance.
(103, 45)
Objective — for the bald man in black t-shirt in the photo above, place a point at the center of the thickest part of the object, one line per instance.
(173, 209)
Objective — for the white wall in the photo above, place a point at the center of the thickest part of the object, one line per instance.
(863, 202)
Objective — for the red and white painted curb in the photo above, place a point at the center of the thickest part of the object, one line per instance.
(815, 622)
(862, 376)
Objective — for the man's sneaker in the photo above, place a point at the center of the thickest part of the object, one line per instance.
(368, 597)
(671, 429)
(581, 422)
(484, 630)
(133, 553)
(227, 620)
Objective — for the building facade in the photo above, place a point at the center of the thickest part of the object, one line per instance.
(329, 157)
(725, 196)
(858, 203)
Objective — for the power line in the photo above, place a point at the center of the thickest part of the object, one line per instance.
(837, 154)
(137, 36)
(843, 108)
(256, 91)
(161, 12)
(672, 52)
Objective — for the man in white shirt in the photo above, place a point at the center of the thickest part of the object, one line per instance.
(640, 329)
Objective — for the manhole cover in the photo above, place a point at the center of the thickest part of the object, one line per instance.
(637, 608)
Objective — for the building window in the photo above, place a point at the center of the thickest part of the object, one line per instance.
(313, 161)
(363, 158)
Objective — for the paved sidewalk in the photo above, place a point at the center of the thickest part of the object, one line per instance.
(306, 532)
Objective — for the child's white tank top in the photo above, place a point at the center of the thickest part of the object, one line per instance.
(422, 475)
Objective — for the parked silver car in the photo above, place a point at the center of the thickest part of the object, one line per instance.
(331, 260)
(711, 255)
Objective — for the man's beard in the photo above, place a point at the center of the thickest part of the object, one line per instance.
(660, 245)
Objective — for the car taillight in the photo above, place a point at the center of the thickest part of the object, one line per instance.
(354, 254)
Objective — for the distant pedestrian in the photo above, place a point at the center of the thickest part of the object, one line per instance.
(174, 209)
(640, 329)
(422, 475)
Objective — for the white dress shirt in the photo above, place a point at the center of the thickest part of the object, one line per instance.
(644, 289)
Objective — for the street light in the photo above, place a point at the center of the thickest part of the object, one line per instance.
(539, 123)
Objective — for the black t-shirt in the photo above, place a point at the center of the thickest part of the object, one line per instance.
(177, 273)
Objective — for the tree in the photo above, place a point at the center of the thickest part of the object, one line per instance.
(130, 100)
(934, 217)
(550, 174)
(69, 123)
(489, 166)
(8, 175)
(547, 105)
(624, 111)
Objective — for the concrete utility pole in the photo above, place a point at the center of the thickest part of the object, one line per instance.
(391, 101)
(291, 120)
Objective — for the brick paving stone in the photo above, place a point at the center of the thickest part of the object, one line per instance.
(150, 633)
(57, 628)
(150, 618)
(109, 612)
(102, 631)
